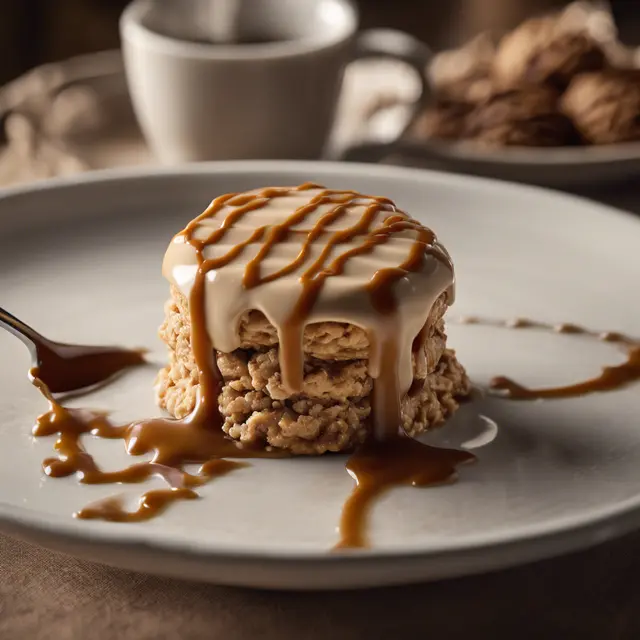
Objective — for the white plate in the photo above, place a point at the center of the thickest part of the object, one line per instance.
(80, 260)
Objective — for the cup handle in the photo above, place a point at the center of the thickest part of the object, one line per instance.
(397, 45)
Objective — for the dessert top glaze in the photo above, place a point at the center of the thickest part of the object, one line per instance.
(307, 254)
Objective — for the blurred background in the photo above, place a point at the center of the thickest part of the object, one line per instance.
(77, 114)
(36, 31)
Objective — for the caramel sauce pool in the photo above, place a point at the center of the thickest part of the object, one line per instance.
(172, 443)
(378, 466)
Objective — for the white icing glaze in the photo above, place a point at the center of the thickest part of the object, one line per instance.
(343, 298)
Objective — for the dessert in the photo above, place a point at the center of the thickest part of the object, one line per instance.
(445, 120)
(463, 75)
(605, 106)
(527, 117)
(323, 314)
(542, 51)
(556, 80)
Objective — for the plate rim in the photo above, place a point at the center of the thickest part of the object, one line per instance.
(552, 536)
(322, 167)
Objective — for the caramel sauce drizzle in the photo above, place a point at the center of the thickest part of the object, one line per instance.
(172, 443)
(610, 379)
(382, 465)
(150, 504)
(312, 279)
(388, 460)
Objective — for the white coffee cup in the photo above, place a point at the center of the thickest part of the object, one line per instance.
(201, 94)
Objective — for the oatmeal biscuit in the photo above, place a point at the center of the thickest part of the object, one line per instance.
(333, 409)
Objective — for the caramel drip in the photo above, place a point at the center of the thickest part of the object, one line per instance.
(610, 379)
(386, 396)
(210, 379)
(210, 382)
(151, 504)
(312, 282)
(172, 443)
(206, 412)
(239, 200)
(379, 466)
(280, 232)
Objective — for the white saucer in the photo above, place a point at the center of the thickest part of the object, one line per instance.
(80, 260)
